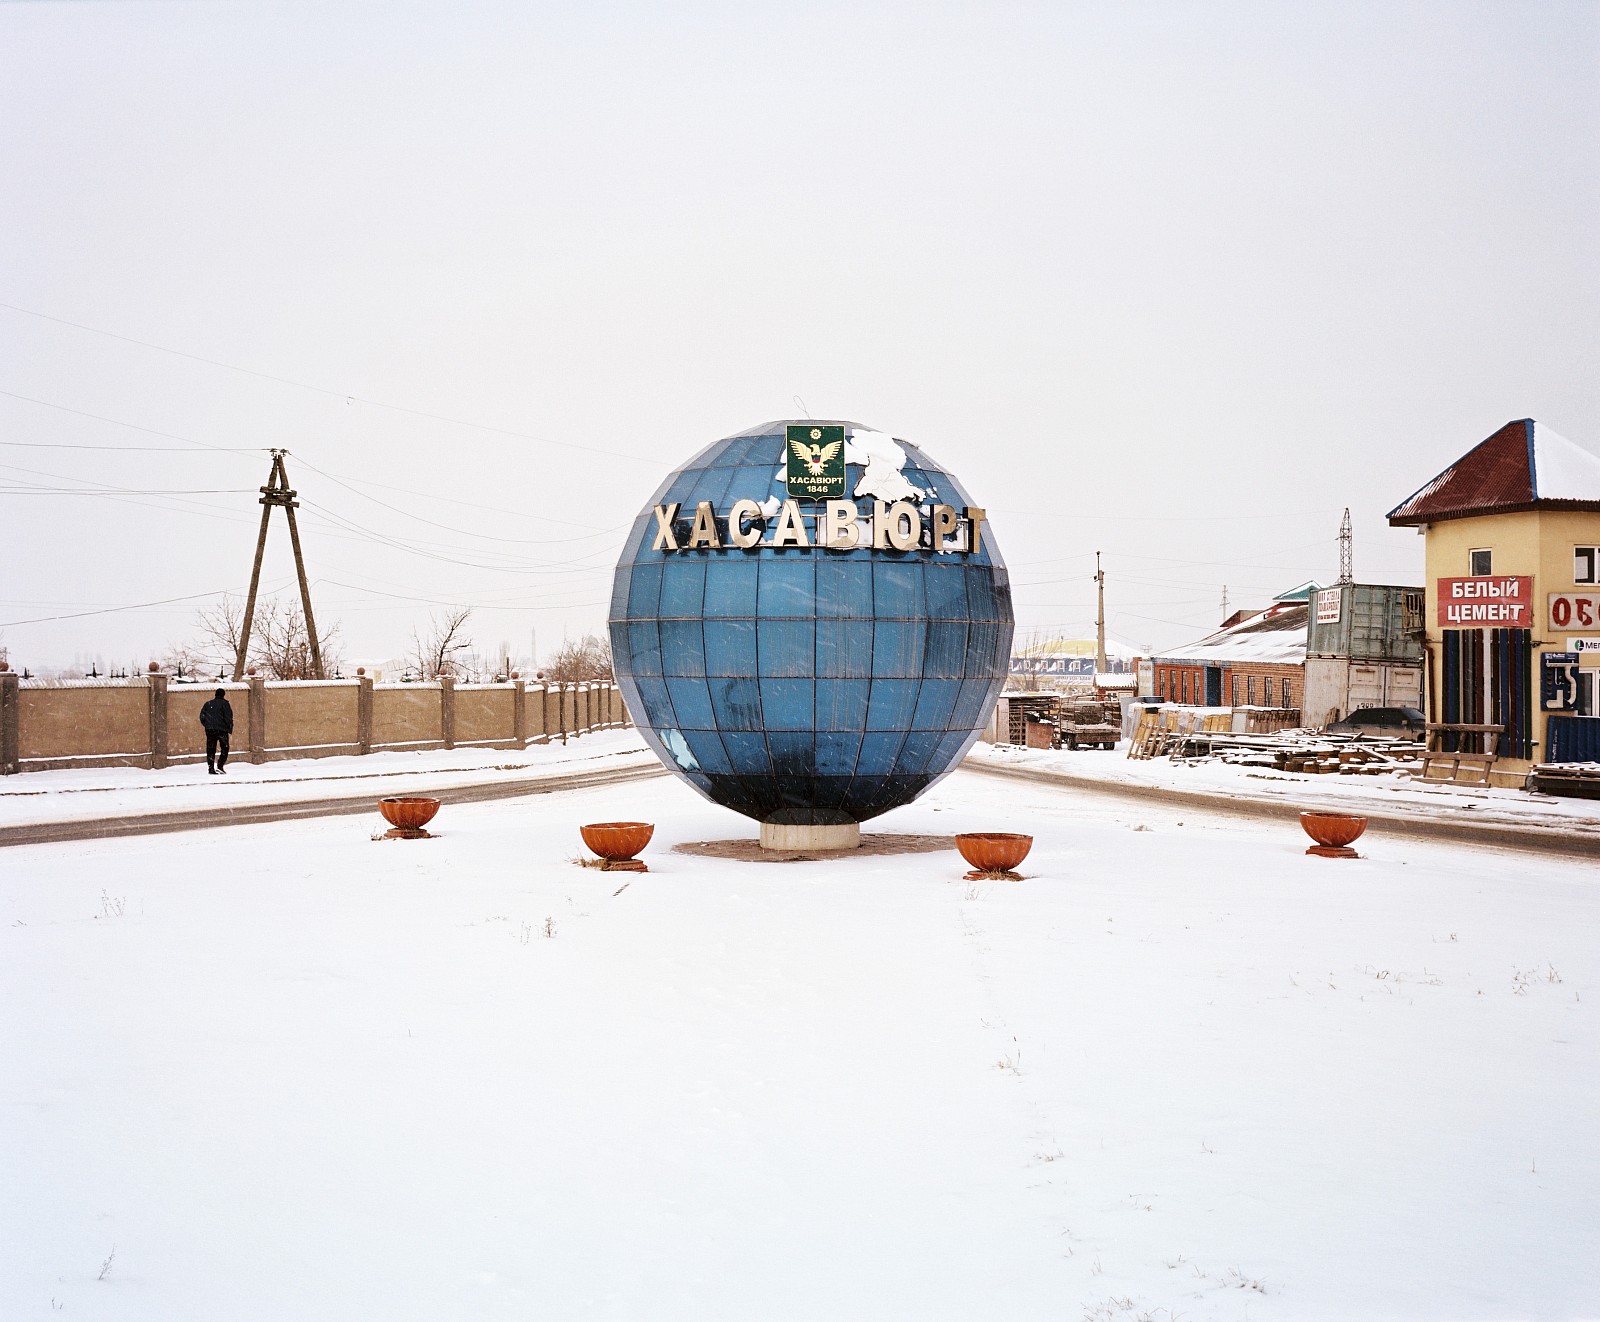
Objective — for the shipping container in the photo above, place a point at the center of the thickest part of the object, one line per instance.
(1336, 687)
(1366, 622)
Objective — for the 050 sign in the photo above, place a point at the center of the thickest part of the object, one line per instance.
(1570, 610)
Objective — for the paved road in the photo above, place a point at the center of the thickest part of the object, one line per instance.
(1550, 839)
(1554, 838)
(324, 805)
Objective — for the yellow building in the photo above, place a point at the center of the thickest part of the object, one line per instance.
(1513, 593)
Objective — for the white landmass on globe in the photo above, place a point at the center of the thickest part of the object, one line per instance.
(882, 459)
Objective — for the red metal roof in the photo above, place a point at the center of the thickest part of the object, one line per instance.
(1499, 476)
(1493, 475)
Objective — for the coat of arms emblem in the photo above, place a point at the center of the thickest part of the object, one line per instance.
(815, 456)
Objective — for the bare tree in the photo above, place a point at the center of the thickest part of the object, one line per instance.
(279, 642)
(219, 628)
(586, 660)
(442, 651)
(191, 661)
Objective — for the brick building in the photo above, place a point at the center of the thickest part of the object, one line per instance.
(1255, 660)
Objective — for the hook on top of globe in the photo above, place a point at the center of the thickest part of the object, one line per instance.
(810, 622)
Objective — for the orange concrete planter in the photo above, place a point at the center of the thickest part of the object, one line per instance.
(1334, 832)
(407, 814)
(617, 843)
(994, 854)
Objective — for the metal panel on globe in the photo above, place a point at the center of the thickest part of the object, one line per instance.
(811, 663)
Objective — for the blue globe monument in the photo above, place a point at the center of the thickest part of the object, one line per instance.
(810, 623)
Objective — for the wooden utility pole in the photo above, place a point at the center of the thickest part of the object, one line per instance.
(1100, 619)
(278, 492)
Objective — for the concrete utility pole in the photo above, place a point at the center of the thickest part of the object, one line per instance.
(1224, 603)
(1100, 619)
(1347, 539)
(278, 492)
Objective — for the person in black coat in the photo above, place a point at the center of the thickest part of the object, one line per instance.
(217, 718)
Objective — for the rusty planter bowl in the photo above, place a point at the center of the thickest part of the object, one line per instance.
(1333, 832)
(618, 842)
(994, 853)
(407, 814)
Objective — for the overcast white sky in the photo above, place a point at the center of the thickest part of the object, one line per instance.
(1178, 282)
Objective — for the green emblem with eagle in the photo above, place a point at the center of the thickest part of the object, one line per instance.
(816, 461)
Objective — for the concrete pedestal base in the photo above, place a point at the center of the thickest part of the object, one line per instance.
(775, 835)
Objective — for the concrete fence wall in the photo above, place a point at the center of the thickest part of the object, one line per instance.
(147, 722)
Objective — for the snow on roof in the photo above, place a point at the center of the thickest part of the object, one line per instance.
(1276, 638)
(1562, 470)
(1523, 465)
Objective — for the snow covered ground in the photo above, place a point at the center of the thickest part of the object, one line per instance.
(284, 1072)
(1392, 793)
(59, 796)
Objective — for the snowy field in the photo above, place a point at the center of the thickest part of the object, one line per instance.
(285, 1073)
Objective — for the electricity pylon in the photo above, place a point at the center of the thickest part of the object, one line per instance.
(278, 492)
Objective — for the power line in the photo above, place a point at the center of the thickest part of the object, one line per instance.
(110, 610)
(383, 539)
(332, 477)
(322, 390)
(450, 500)
(149, 431)
(1004, 511)
(488, 537)
(126, 491)
(108, 487)
(473, 605)
(120, 449)
(108, 491)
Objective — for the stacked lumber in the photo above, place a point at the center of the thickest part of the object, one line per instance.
(1572, 780)
(1303, 751)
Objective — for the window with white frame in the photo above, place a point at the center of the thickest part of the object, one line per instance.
(1586, 564)
(1480, 563)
